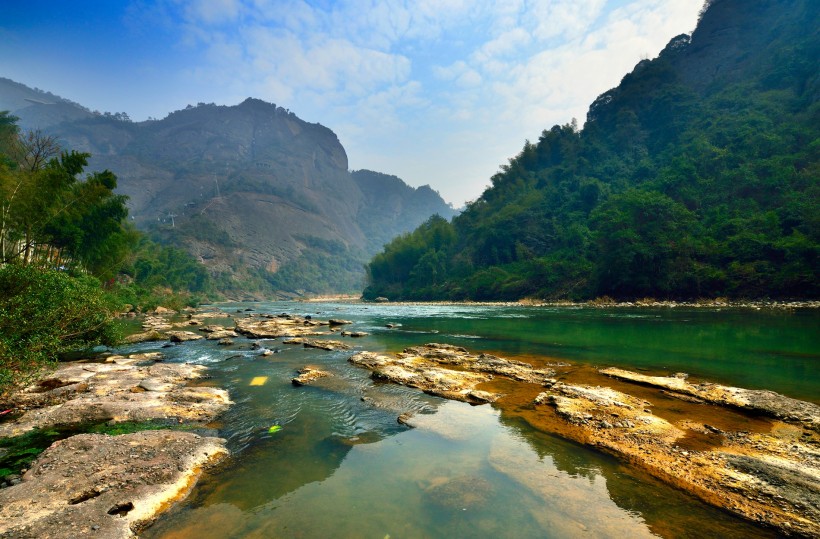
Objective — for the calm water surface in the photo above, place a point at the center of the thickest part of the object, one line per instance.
(341, 466)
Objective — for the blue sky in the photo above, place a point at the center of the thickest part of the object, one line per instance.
(436, 92)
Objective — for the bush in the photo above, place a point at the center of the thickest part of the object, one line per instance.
(46, 313)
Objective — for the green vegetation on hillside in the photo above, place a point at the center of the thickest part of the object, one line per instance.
(68, 260)
(677, 187)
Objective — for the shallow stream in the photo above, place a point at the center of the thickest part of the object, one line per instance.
(342, 466)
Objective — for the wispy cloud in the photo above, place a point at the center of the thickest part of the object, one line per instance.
(411, 82)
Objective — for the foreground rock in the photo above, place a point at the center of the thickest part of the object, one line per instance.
(770, 478)
(94, 485)
(420, 367)
(121, 390)
(761, 401)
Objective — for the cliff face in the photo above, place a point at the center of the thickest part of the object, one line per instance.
(250, 189)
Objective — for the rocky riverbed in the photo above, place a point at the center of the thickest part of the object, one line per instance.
(702, 443)
(97, 485)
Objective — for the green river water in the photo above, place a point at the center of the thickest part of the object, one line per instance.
(341, 465)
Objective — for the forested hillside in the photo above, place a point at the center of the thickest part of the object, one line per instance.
(696, 177)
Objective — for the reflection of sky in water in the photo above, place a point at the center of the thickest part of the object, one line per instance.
(341, 465)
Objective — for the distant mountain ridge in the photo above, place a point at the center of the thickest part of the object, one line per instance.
(264, 199)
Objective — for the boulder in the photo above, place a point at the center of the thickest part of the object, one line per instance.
(308, 375)
(183, 336)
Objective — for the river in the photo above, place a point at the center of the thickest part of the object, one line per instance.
(340, 465)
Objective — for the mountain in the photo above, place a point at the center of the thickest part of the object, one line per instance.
(697, 176)
(262, 198)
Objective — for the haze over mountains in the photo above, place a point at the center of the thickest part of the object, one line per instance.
(262, 198)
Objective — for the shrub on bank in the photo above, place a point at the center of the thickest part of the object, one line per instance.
(45, 313)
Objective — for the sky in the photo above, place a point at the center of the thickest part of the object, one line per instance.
(437, 92)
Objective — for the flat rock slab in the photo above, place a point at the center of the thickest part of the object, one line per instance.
(316, 343)
(413, 371)
(96, 485)
(447, 354)
(99, 392)
(281, 326)
(770, 478)
(183, 336)
(219, 334)
(354, 334)
(757, 400)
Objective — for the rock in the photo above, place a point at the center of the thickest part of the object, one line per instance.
(404, 419)
(104, 392)
(354, 334)
(329, 345)
(458, 356)
(417, 372)
(146, 336)
(280, 326)
(183, 336)
(162, 310)
(133, 476)
(308, 375)
(225, 342)
(381, 299)
(461, 493)
(338, 322)
(152, 384)
(762, 401)
(742, 475)
(223, 333)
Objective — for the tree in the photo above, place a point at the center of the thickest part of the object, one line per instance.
(43, 314)
(644, 245)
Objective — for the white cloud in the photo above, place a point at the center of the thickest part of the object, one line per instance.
(444, 90)
(212, 11)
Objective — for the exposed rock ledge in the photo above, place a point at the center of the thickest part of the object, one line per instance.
(756, 400)
(279, 326)
(80, 393)
(770, 477)
(419, 367)
(95, 485)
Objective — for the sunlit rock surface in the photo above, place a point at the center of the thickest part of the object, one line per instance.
(118, 390)
(95, 485)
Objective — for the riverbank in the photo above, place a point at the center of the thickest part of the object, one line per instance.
(753, 453)
(718, 303)
(109, 485)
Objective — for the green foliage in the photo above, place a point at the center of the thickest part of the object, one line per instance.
(319, 271)
(46, 313)
(673, 189)
(20, 451)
